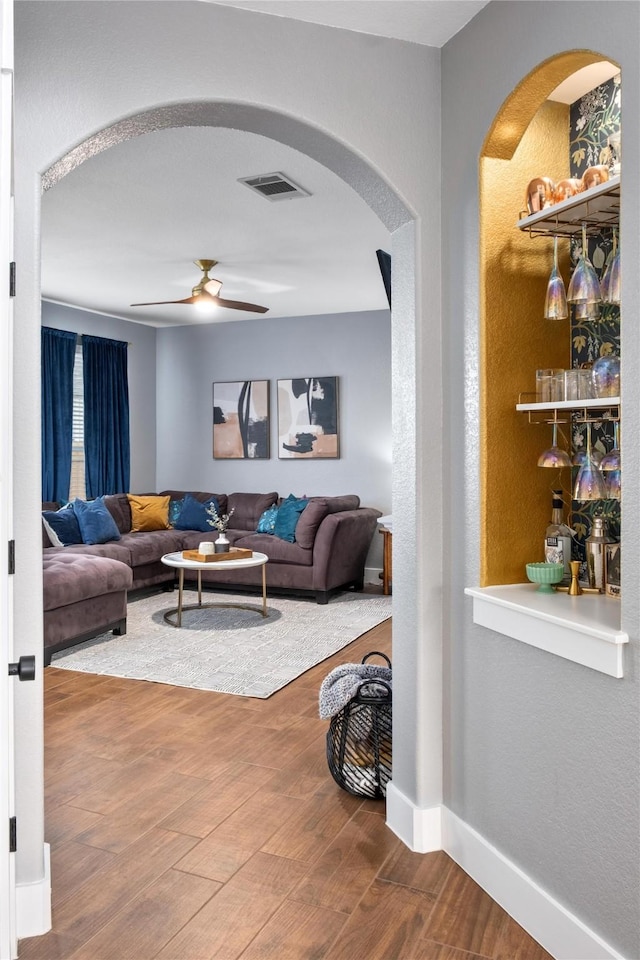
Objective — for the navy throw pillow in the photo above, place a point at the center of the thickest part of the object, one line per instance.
(267, 521)
(287, 519)
(95, 522)
(62, 527)
(194, 516)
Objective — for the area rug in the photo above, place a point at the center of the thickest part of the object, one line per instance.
(226, 649)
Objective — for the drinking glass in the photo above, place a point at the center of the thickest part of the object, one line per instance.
(612, 460)
(555, 304)
(554, 456)
(610, 283)
(614, 484)
(549, 385)
(584, 286)
(589, 483)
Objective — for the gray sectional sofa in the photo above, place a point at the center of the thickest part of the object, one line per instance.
(85, 586)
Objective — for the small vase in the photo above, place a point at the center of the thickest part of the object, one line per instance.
(606, 377)
(222, 544)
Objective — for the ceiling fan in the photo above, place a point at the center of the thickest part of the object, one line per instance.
(206, 292)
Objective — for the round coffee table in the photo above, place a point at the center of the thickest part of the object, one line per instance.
(174, 616)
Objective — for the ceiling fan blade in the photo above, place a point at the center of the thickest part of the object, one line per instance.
(240, 305)
(159, 303)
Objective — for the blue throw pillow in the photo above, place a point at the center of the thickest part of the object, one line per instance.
(267, 521)
(287, 519)
(175, 508)
(62, 527)
(194, 516)
(95, 522)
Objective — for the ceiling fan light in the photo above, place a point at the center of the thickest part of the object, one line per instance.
(205, 305)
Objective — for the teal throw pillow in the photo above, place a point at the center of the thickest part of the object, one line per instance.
(62, 527)
(175, 509)
(267, 522)
(194, 516)
(95, 522)
(287, 519)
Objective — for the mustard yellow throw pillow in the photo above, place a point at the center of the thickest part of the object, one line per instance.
(149, 513)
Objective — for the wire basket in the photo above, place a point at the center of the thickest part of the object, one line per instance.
(359, 739)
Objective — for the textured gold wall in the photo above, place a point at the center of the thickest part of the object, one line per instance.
(516, 340)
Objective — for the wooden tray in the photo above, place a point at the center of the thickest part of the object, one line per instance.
(235, 553)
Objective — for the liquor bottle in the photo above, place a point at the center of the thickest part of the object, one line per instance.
(595, 546)
(557, 539)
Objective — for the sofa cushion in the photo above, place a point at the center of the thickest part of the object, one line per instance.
(71, 577)
(310, 519)
(278, 551)
(113, 550)
(148, 513)
(149, 546)
(248, 508)
(95, 522)
(62, 527)
(287, 517)
(194, 516)
(199, 495)
(118, 506)
(338, 504)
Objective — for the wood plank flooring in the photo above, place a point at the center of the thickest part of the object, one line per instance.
(187, 825)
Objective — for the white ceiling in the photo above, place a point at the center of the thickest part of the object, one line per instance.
(125, 226)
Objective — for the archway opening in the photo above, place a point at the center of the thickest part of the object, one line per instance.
(529, 138)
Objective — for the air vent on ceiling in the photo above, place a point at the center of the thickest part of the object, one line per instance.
(275, 186)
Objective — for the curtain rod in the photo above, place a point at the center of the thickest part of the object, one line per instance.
(79, 339)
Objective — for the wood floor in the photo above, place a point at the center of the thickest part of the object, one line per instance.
(187, 825)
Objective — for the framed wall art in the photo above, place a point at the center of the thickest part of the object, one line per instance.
(308, 418)
(241, 420)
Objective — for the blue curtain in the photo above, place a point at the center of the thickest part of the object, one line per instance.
(106, 416)
(58, 350)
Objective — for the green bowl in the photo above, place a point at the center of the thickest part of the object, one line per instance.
(545, 574)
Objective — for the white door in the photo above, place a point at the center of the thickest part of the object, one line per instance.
(8, 942)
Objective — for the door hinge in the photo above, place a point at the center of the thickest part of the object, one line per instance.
(13, 835)
(12, 556)
(12, 278)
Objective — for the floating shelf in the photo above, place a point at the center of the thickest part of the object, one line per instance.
(583, 629)
(602, 403)
(598, 207)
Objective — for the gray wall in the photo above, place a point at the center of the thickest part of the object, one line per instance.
(142, 379)
(542, 754)
(355, 347)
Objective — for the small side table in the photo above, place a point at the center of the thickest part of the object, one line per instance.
(386, 559)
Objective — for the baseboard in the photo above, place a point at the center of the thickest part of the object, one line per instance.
(418, 827)
(33, 903)
(373, 575)
(561, 933)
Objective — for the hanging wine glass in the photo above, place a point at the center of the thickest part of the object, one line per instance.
(555, 456)
(555, 304)
(611, 460)
(580, 457)
(589, 483)
(584, 286)
(586, 311)
(614, 484)
(610, 283)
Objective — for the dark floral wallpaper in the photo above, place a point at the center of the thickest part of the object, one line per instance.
(593, 119)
